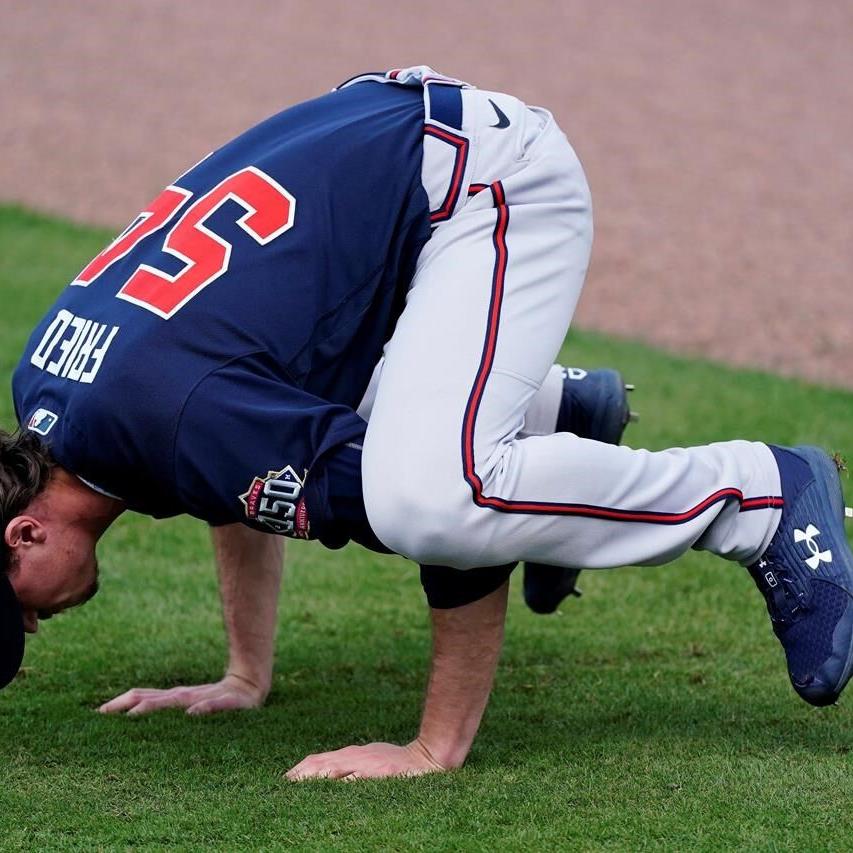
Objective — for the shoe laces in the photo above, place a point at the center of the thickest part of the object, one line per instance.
(788, 599)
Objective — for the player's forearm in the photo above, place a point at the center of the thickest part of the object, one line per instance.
(250, 567)
(466, 647)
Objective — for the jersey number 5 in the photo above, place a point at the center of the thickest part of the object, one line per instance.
(269, 213)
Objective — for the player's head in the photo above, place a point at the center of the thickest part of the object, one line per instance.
(47, 558)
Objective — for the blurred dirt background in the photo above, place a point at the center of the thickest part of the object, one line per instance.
(717, 135)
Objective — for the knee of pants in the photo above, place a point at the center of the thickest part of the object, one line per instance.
(413, 517)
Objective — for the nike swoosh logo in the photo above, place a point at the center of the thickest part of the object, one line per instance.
(503, 121)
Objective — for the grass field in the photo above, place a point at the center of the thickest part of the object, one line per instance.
(653, 713)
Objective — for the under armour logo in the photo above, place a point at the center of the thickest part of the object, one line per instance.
(808, 536)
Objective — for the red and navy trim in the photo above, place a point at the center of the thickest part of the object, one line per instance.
(476, 397)
(768, 502)
(461, 144)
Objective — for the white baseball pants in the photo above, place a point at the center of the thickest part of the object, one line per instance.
(450, 478)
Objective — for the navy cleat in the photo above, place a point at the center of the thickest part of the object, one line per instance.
(806, 575)
(595, 405)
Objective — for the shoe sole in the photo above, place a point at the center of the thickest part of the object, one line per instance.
(612, 412)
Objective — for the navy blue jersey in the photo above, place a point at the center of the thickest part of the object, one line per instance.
(217, 349)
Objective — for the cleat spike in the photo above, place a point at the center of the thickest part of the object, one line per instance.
(633, 417)
(629, 386)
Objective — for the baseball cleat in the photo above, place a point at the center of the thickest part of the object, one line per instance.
(545, 587)
(806, 575)
(595, 405)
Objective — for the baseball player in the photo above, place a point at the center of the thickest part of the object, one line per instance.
(342, 325)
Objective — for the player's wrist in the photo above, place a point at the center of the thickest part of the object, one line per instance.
(257, 683)
(440, 753)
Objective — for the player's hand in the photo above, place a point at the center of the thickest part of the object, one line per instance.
(372, 761)
(230, 694)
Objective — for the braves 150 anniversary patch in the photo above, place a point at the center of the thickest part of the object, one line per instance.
(276, 502)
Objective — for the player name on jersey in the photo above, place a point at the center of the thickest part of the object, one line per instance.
(73, 347)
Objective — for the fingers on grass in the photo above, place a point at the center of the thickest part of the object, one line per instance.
(160, 700)
(315, 767)
(297, 770)
(126, 701)
(211, 706)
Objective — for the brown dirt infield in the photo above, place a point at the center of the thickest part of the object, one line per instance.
(716, 135)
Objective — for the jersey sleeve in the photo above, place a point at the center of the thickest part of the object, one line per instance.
(250, 448)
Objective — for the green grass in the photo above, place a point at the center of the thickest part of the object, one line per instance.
(654, 713)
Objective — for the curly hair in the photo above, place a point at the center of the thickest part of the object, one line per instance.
(26, 466)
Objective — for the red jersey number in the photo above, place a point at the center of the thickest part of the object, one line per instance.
(154, 217)
(269, 213)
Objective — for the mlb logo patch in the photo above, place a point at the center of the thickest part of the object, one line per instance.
(43, 421)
